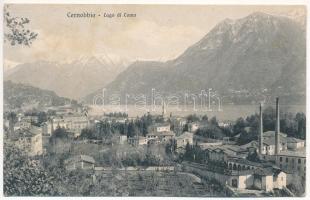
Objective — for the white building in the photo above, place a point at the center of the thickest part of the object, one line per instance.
(72, 123)
(161, 137)
(160, 127)
(294, 143)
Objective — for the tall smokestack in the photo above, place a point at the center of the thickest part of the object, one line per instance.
(260, 137)
(277, 133)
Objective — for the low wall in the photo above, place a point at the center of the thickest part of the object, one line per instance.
(150, 168)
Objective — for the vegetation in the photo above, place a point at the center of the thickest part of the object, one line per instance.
(16, 31)
(193, 153)
(17, 95)
(106, 129)
(25, 177)
(116, 114)
(293, 126)
(253, 157)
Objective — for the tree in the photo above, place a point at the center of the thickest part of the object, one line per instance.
(59, 141)
(245, 137)
(239, 126)
(171, 147)
(188, 152)
(301, 125)
(16, 32)
(192, 118)
(24, 177)
(204, 118)
(12, 120)
(253, 156)
(213, 121)
(88, 133)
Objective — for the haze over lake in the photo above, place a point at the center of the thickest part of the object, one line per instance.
(227, 112)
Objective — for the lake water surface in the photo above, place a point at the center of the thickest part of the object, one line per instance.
(225, 112)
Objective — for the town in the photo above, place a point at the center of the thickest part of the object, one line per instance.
(62, 150)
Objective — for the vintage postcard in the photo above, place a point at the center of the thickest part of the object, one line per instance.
(144, 100)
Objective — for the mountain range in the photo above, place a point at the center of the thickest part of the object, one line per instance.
(73, 79)
(260, 54)
(249, 59)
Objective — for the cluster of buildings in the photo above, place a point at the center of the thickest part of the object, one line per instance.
(160, 133)
(34, 139)
(280, 159)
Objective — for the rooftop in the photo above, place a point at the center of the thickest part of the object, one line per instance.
(164, 133)
(87, 158)
(30, 132)
(186, 135)
(272, 134)
(293, 140)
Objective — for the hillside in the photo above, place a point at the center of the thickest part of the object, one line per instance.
(245, 60)
(19, 95)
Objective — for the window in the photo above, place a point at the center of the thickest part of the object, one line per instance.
(280, 159)
(299, 161)
(286, 159)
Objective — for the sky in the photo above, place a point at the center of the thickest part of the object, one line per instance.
(158, 32)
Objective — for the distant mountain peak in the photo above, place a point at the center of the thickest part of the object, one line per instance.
(72, 78)
(259, 51)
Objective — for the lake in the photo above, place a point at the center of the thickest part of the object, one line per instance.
(225, 112)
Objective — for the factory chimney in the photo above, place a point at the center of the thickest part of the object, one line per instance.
(260, 137)
(277, 132)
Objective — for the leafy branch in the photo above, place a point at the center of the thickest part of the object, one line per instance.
(17, 33)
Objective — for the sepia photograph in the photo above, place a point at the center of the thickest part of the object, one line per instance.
(154, 100)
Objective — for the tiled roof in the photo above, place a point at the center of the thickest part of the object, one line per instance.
(186, 135)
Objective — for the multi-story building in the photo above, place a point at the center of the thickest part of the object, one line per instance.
(294, 143)
(286, 152)
(160, 127)
(72, 123)
(293, 162)
(162, 137)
